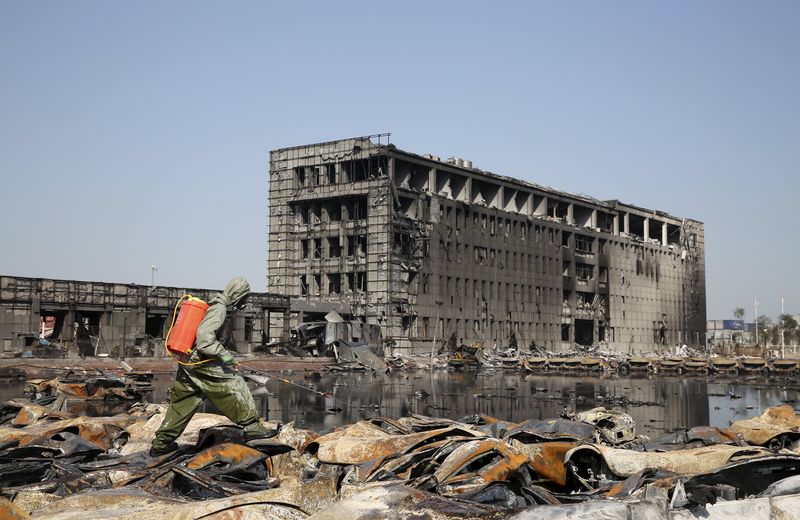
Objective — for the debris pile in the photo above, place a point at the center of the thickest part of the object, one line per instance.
(91, 388)
(328, 338)
(54, 465)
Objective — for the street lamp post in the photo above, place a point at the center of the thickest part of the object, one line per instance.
(783, 346)
(755, 318)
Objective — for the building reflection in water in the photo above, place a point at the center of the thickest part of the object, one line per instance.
(657, 404)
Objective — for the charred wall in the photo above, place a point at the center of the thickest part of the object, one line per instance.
(114, 319)
(430, 249)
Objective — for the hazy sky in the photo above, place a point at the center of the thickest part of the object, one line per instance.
(137, 133)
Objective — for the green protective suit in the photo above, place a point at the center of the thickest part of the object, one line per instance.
(213, 380)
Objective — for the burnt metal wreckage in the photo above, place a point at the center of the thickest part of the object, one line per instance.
(589, 361)
(58, 465)
(352, 344)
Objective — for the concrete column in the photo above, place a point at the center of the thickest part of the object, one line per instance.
(570, 210)
(432, 180)
(498, 198)
(68, 329)
(238, 334)
(107, 327)
(467, 195)
(286, 323)
(616, 224)
(646, 229)
(626, 223)
(265, 325)
(593, 222)
(35, 317)
(664, 234)
(527, 208)
(541, 210)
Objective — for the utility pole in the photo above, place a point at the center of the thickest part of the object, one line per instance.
(755, 319)
(783, 346)
(153, 269)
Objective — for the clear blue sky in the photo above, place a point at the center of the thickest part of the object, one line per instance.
(137, 133)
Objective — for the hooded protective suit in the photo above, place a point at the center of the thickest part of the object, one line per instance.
(215, 379)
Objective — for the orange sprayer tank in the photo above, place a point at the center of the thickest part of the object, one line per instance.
(181, 338)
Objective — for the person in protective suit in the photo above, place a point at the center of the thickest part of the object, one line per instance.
(214, 379)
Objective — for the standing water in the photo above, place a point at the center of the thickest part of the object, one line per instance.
(658, 404)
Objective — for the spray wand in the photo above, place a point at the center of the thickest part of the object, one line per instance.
(290, 382)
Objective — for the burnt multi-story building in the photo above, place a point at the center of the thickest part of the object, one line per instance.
(115, 319)
(429, 249)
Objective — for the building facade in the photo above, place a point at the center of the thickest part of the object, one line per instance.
(437, 249)
(119, 320)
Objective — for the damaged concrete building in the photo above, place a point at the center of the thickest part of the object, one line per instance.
(429, 248)
(113, 318)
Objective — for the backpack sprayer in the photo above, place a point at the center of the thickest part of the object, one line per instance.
(183, 330)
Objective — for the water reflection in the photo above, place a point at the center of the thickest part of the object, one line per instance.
(657, 404)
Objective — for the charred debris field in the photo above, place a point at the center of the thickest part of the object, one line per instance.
(411, 443)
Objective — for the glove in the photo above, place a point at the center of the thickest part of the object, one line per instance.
(227, 359)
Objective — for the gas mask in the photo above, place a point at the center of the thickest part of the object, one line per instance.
(242, 303)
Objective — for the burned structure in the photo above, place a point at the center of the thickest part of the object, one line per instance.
(112, 318)
(428, 248)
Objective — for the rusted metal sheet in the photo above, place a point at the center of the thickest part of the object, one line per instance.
(775, 422)
(410, 464)
(695, 438)
(748, 477)
(103, 431)
(547, 459)
(421, 423)
(98, 388)
(489, 425)
(626, 463)
(21, 412)
(536, 430)
(11, 511)
(629, 485)
(390, 425)
(474, 464)
(296, 438)
(365, 441)
(227, 454)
